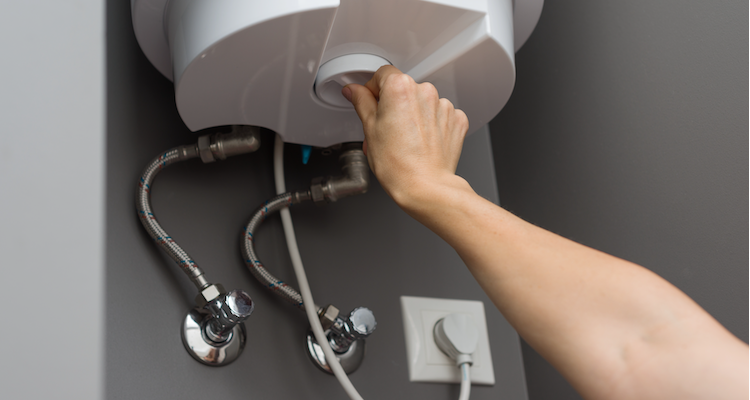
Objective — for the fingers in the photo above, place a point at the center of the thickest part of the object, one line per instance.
(463, 121)
(404, 99)
(362, 99)
(365, 98)
(410, 132)
(376, 83)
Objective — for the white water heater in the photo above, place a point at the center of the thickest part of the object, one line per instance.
(281, 64)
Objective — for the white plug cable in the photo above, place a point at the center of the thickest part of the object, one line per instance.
(456, 335)
(304, 286)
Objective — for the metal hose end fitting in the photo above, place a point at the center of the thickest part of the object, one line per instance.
(355, 178)
(328, 315)
(209, 294)
(242, 139)
(301, 196)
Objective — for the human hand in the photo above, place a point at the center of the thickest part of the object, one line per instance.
(413, 138)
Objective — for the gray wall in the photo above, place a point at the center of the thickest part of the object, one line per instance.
(52, 198)
(359, 251)
(628, 132)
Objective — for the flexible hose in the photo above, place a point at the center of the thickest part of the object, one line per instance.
(148, 219)
(299, 270)
(465, 382)
(281, 288)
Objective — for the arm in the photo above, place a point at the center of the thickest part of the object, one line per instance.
(615, 330)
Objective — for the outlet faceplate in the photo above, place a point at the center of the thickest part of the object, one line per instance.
(426, 362)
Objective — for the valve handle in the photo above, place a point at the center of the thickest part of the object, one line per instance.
(237, 306)
(361, 322)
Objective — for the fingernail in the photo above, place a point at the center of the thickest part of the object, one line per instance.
(347, 93)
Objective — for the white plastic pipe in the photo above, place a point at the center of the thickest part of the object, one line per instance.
(299, 270)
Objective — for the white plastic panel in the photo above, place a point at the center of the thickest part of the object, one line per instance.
(255, 63)
(426, 362)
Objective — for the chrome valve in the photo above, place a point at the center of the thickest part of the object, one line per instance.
(360, 324)
(346, 337)
(226, 312)
(214, 333)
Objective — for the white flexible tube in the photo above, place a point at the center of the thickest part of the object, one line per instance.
(304, 286)
(465, 382)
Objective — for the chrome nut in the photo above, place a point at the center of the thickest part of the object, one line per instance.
(328, 315)
(316, 191)
(204, 149)
(209, 294)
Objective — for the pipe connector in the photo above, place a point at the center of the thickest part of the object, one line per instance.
(242, 139)
(355, 179)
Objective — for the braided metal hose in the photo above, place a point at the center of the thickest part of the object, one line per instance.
(217, 146)
(286, 292)
(148, 219)
(355, 180)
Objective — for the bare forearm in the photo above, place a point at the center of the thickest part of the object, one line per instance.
(586, 312)
(613, 329)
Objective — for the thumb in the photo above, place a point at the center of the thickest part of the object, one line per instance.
(362, 99)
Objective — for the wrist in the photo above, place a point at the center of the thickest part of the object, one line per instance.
(424, 196)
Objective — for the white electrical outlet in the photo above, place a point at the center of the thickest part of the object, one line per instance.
(426, 362)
